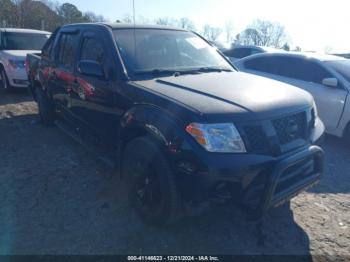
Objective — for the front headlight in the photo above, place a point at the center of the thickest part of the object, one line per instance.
(15, 64)
(221, 138)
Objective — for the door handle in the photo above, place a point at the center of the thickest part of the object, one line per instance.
(74, 87)
(77, 89)
(54, 75)
(75, 83)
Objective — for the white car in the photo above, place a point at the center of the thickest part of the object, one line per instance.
(326, 77)
(15, 44)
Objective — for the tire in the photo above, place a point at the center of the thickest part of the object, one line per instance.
(4, 82)
(46, 108)
(150, 183)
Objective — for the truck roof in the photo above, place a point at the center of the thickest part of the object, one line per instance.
(22, 30)
(140, 26)
(317, 56)
(127, 26)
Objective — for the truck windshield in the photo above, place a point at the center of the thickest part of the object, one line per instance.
(24, 41)
(342, 67)
(161, 50)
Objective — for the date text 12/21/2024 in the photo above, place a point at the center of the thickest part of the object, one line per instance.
(173, 258)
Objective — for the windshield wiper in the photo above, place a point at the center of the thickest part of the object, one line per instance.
(157, 72)
(213, 69)
(173, 72)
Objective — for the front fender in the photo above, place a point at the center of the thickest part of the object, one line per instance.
(157, 123)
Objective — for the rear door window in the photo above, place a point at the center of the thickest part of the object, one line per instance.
(66, 52)
(301, 69)
(291, 67)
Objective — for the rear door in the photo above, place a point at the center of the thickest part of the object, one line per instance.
(61, 75)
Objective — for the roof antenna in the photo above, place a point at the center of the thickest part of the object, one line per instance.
(134, 18)
(133, 11)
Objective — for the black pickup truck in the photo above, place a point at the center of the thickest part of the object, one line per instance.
(182, 125)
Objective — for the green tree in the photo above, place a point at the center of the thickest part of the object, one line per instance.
(71, 14)
(166, 21)
(286, 47)
(37, 15)
(7, 9)
(44, 14)
(228, 31)
(94, 18)
(187, 24)
(211, 33)
(263, 33)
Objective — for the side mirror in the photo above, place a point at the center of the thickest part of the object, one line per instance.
(330, 82)
(91, 68)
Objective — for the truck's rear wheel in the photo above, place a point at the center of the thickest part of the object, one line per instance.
(4, 82)
(151, 186)
(46, 108)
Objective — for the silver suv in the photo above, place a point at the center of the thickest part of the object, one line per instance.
(15, 44)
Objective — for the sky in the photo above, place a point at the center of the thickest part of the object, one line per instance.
(314, 25)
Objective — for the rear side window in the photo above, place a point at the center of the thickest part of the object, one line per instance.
(291, 67)
(67, 47)
(92, 50)
(23, 41)
(239, 52)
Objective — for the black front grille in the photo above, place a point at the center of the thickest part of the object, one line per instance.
(290, 128)
(256, 140)
(276, 136)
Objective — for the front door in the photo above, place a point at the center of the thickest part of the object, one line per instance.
(93, 98)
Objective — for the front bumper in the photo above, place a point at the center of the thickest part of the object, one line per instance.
(289, 177)
(258, 183)
(17, 77)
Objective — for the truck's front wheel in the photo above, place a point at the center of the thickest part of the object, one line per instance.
(46, 108)
(151, 186)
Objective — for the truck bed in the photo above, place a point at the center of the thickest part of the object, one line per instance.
(32, 64)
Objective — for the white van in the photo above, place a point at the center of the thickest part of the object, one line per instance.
(15, 44)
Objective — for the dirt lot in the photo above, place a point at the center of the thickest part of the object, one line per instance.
(56, 198)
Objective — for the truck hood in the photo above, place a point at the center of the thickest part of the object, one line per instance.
(231, 95)
(18, 54)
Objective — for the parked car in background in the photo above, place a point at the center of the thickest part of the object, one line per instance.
(15, 44)
(345, 55)
(326, 77)
(239, 52)
(222, 46)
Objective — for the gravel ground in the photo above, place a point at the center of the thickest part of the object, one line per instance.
(56, 198)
